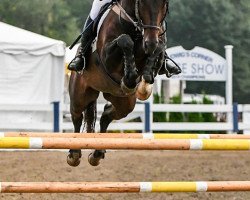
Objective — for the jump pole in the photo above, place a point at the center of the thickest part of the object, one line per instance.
(124, 135)
(119, 143)
(122, 187)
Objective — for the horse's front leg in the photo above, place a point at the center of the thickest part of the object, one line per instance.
(152, 64)
(150, 70)
(126, 45)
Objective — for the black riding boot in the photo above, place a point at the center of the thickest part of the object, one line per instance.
(171, 67)
(79, 62)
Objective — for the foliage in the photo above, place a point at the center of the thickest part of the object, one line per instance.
(159, 116)
(191, 117)
(210, 24)
(213, 24)
(79, 10)
(176, 117)
(194, 117)
(49, 18)
(208, 117)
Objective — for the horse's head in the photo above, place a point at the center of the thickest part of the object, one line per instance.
(150, 15)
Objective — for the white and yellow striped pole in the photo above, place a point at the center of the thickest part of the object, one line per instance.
(120, 143)
(122, 187)
(125, 135)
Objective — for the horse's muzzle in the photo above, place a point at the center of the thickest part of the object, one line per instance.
(150, 46)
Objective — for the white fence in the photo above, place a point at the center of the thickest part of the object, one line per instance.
(26, 117)
(46, 122)
(200, 126)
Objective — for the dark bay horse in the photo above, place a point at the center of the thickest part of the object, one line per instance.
(130, 53)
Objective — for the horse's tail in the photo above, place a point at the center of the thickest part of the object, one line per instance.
(90, 114)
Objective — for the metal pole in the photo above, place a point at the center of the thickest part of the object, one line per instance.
(235, 118)
(56, 116)
(147, 118)
(229, 82)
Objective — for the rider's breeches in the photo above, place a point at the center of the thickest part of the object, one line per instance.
(96, 7)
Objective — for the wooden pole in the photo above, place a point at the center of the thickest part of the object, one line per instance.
(119, 143)
(125, 135)
(122, 187)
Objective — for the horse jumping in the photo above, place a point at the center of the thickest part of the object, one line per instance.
(129, 55)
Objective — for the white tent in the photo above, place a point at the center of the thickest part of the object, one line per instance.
(71, 53)
(31, 67)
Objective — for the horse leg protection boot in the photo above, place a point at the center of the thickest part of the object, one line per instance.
(79, 62)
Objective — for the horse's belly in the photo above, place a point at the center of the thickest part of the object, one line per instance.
(115, 91)
(100, 83)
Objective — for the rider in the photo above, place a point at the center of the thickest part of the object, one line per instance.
(78, 63)
(88, 35)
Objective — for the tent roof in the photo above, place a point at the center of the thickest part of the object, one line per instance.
(15, 40)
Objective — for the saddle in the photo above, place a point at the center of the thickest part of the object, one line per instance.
(98, 22)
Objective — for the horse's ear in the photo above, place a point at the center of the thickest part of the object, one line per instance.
(167, 3)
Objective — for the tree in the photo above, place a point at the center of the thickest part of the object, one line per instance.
(213, 24)
(49, 18)
(79, 10)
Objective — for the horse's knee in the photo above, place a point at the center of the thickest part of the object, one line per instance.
(125, 42)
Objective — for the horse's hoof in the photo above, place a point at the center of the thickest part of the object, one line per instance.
(94, 160)
(144, 90)
(73, 159)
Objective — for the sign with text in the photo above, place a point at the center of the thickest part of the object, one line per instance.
(198, 64)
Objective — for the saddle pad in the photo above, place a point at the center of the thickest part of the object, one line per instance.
(99, 27)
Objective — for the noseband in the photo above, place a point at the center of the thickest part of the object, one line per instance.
(139, 21)
(137, 24)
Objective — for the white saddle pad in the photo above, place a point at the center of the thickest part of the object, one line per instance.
(99, 27)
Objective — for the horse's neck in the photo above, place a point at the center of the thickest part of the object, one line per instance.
(129, 6)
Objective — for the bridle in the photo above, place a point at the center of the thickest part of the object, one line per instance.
(139, 20)
(138, 24)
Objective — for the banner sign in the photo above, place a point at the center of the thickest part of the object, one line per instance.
(198, 64)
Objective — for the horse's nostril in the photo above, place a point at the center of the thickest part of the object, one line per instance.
(150, 46)
(146, 45)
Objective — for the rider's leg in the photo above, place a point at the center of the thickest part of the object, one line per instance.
(78, 63)
(96, 7)
(169, 67)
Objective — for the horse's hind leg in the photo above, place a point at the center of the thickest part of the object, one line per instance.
(74, 156)
(120, 108)
(90, 119)
(81, 101)
(89, 123)
(95, 157)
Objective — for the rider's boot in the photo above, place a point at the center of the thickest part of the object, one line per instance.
(170, 66)
(79, 62)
